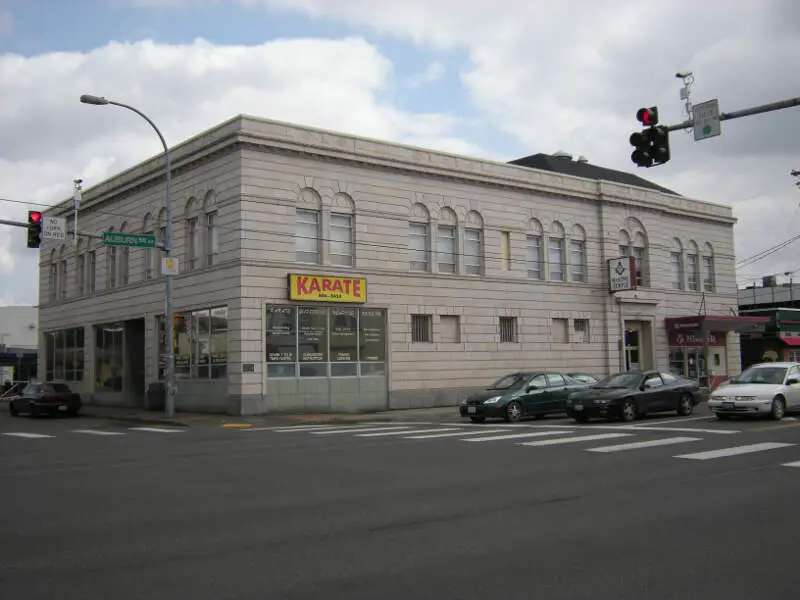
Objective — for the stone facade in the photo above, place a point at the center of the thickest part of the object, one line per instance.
(254, 175)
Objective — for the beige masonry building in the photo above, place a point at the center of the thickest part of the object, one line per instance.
(320, 271)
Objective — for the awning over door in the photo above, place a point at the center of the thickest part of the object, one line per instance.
(702, 325)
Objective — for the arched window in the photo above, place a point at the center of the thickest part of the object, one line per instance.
(193, 248)
(577, 255)
(80, 268)
(111, 265)
(693, 267)
(124, 259)
(211, 242)
(161, 239)
(473, 243)
(709, 282)
(342, 246)
(419, 238)
(534, 250)
(52, 281)
(676, 265)
(556, 258)
(148, 229)
(446, 241)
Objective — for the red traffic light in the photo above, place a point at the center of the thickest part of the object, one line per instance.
(647, 116)
(34, 216)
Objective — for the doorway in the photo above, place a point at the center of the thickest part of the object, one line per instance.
(633, 349)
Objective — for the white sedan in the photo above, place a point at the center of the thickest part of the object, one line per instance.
(767, 388)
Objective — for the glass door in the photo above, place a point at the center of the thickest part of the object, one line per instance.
(632, 349)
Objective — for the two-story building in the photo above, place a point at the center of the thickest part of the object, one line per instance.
(321, 271)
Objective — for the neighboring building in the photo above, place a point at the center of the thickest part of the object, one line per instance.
(320, 271)
(770, 294)
(19, 342)
(776, 339)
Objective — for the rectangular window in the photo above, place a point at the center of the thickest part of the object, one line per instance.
(560, 331)
(449, 329)
(418, 246)
(307, 236)
(708, 273)
(447, 249)
(508, 330)
(624, 251)
(53, 281)
(80, 273)
(64, 360)
(581, 328)
(192, 244)
(201, 344)
(92, 271)
(473, 251)
(641, 266)
(534, 257)
(342, 240)
(62, 279)
(577, 261)
(108, 357)
(307, 341)
(692, 274)
(212, 239)
(676, 271)
(421, 328)
(505, 250)
(555, 247)
(793, 355)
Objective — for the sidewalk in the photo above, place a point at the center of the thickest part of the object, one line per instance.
(181, 419)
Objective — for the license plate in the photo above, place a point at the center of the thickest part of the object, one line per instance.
(472, 410)
(62, 408)
(728, 405)
(578, 407)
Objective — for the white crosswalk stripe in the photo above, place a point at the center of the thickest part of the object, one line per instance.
(97, 432)
(404, 431)
(792, 464)
(31, 436)
(645, 444)
(512, 436)
(447, 433)
(575, 440)
(352, 430)
(735, 451)
(157, 429)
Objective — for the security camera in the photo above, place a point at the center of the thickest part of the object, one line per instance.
(77, 181)
(680, 75)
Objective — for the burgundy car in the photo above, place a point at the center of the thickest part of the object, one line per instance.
(46, 398)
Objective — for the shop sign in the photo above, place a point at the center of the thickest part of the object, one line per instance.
(622, 274)
(325, 288)
(692, 340)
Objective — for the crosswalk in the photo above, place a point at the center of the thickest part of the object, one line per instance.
(601, 440)
(89, 432)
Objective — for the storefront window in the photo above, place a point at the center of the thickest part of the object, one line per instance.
(677, 361)
(108, 357)
(64, 355)
(315, 341)
(201, 344)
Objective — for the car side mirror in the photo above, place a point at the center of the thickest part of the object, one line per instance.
(792, 381)
(643, 387)
(532, 387)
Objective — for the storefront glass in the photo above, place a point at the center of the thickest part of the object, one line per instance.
(201, 344)
(314, 341)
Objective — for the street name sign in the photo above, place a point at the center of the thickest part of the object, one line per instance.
(132, 240)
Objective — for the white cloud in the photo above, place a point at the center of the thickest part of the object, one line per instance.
(571, 75)
(433, 72)
(333, 84)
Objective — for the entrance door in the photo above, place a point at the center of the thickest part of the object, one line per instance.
(633, 348)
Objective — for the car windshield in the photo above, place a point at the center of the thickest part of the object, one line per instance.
(620, 380)
(507, 382)
(769, 375)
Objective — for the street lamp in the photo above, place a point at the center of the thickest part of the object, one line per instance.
(169, 408)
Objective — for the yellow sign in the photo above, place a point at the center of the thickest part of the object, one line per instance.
(324, 288)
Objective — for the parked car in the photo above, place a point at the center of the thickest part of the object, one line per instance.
(764, 389)
(518, 395)
(633, 394)
(584, 377)
(45, 398)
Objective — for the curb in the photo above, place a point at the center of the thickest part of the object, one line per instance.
(136, 420)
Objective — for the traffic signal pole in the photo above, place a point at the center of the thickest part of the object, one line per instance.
(14, 223)
(746, 112)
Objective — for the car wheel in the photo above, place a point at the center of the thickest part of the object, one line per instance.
(72, 412)
(582, 418)
(34, 412)
(513, 412)
(473, 419)
(685, 405)
(723, 417)
(628, 412)
(12, 410)
(778, 408)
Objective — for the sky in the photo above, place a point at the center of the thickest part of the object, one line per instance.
(494, 79)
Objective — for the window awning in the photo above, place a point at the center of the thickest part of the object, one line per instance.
(791, 341)
(705, 324)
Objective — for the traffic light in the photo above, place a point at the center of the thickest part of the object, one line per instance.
(652, 144)
(34, 229)
(648, 116)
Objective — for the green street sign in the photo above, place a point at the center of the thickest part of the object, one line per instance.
(133, 240)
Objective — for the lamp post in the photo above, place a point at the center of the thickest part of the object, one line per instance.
(169, 408)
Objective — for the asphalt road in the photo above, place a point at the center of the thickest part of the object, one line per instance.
(100, 510)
